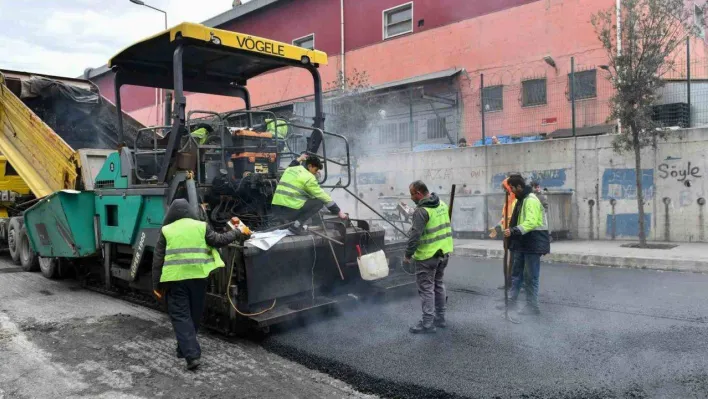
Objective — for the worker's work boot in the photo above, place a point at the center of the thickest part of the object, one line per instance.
(440, 322)
(419, 328)
(512, 304)
(179, 353)
(192, 364)
(298, 229)
(531, 310)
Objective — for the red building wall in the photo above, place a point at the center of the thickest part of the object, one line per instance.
(363, 19)
(504, 39)
(292, 19)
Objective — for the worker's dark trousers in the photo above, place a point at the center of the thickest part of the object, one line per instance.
(308, 210)
(526, 270)
(429, 276)
(185, 305)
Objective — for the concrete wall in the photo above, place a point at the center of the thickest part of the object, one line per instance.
(674, 178)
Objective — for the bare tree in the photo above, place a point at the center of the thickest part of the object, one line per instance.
(651, 33)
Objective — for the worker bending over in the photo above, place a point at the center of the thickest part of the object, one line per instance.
(299, 196)
(183, 259)
(429, 244)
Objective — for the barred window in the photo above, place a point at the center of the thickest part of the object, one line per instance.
(493, 98)
(585, 84)
(388, 133)
(533, 92)
(437, 128)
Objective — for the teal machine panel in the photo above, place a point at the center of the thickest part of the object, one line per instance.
(62, 225)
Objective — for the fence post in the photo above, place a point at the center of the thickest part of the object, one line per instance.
(481, 95)
(411, 127)
(572, 91)
(688, 77)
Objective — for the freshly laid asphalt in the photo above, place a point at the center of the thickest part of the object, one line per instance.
(603, 333)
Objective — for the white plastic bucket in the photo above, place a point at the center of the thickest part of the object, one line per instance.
(373, 266)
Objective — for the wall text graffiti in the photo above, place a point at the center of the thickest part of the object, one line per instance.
(679, 172)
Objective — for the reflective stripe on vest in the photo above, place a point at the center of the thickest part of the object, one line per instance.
(187, 255)
(290, 192)
(437, 235)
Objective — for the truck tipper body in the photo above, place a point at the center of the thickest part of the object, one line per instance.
(55, 134)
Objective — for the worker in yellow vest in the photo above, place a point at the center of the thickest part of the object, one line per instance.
(429, 245)
(183, 258)
(280, 130)
(299, 196)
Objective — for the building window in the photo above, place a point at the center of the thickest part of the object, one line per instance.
(699, 20)
(396, 132)
(533, 92)
(398, 21)
(404, 133)
(307, 42)
(388, 133)
(437, 128)
(585, 85)
(493, 98)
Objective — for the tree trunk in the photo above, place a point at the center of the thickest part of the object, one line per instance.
(640, 192)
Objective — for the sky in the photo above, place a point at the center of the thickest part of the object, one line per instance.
(64, 37)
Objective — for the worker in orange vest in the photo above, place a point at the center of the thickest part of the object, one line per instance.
(507, 210)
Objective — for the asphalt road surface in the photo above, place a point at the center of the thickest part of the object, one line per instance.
(603, 333)
(60, 341)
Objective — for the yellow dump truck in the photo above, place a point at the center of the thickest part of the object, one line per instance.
(55, 134)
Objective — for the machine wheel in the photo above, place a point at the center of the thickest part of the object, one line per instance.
(28, 258)
(49, 267)
(13, 234)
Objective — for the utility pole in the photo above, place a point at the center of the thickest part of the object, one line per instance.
(159, 93)
(619, 47)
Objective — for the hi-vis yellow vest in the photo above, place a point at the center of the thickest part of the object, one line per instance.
(187, 255)
(279, 126)
(437, 234)
(296, 186)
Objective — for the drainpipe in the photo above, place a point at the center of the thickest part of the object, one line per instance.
(341, 35)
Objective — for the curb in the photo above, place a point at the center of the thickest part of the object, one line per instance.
(671, 265)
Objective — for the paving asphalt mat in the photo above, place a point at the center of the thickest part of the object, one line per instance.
(604, 333)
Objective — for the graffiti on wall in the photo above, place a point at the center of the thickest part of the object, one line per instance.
(371, 178)
(550, 178)
(680, 172)
(476, 174)
(627, 224)
(437, 174)
(622, 184)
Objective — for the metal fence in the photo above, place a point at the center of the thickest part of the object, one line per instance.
(526, 105)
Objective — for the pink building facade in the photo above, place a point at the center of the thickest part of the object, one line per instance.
(510, 42)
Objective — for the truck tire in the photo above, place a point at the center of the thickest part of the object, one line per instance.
(49, 267)
(28, 258)
(13, 235)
